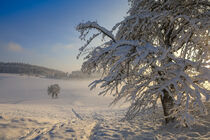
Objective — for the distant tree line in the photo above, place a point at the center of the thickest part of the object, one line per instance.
(83, 75)
(27, 69)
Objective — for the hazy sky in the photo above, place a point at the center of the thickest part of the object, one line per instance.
(42, 32)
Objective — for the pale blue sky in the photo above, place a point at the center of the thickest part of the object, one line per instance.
(42, 32)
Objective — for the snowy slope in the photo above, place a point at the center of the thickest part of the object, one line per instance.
(27, 112)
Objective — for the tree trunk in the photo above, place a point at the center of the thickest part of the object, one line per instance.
(168, 104)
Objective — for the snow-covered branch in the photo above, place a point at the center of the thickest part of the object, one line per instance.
(94, 25)
(160, 51)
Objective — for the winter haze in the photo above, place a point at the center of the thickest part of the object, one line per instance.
(104, 70)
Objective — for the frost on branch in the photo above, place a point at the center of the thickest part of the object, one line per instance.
(160, 51)
(84, 29)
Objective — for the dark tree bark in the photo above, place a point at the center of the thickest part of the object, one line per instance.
(168, 104)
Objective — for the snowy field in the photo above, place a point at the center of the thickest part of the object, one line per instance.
(27, 112)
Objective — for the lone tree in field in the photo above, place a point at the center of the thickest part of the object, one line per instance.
(159, 51)
(53, 90)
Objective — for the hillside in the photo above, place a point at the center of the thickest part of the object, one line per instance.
(33, 70)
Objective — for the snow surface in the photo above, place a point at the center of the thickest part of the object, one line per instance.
(27, 112)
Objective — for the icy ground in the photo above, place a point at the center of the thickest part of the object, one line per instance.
(27, 112)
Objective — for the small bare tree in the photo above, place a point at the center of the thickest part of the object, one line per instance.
(53, 90)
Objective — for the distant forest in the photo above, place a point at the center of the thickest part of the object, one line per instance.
(32, 70)
(38, 71)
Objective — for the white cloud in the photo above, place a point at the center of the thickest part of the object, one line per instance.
(14, 47)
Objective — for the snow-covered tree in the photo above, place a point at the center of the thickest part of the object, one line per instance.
(160, 51)
(53, 90)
